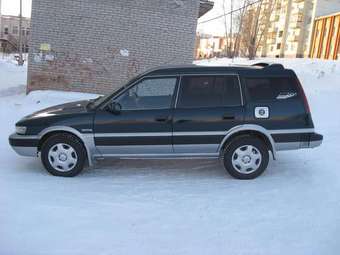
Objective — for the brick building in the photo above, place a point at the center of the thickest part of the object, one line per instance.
(95, 46)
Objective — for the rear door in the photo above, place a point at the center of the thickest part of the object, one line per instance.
(207, 107)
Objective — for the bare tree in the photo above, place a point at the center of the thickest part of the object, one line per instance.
(225, 26)
(254, 33)
(239, 22)
(254, 25)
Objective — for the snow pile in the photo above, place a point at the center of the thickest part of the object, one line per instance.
(12, 76)
(174, 206)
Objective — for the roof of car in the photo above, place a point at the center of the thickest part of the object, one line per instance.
(201, 69)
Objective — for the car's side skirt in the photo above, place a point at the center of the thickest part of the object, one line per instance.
(160, 156)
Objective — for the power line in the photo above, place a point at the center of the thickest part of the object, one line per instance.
(228, 13)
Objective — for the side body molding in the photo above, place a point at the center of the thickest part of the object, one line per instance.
(87, 139)
(249, 127)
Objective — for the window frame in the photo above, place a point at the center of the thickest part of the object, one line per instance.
(179, 77)
(179, 89)
(15, 30)
(135, 83)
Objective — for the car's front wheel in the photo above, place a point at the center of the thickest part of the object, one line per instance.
(63, 155)
(246, 157)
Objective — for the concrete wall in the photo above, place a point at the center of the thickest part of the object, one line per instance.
(95, 46)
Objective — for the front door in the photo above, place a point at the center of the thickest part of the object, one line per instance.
(144, 123)
(208, 106)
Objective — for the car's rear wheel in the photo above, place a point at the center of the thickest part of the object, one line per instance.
(246, 157)
(63, 155)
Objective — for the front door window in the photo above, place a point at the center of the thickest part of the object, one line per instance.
(149, 94)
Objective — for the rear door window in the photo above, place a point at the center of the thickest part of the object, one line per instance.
(209, 91)
(268, 89)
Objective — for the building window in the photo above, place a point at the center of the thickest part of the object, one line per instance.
(278, 46)
(6, 30)
(280, 33)
(15, 30)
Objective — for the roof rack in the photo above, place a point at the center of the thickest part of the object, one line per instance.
(269, 65)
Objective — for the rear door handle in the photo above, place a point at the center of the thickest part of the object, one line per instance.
(162, 118)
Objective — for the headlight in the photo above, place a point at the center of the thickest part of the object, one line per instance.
(20, 130)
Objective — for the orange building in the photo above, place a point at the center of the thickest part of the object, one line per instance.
(325, 42)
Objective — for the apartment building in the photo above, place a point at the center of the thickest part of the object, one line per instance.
(9, 33)
(286, 26)
(325, 42)
(208, 46)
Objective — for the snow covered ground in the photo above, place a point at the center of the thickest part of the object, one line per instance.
(12, 76)
(173, 207)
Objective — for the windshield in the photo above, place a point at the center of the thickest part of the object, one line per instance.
(102, 99)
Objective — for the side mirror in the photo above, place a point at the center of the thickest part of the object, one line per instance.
(114, 108)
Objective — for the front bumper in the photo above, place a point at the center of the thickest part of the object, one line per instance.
(24, 145)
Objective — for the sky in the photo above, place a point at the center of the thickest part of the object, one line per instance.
(217, 27)
(11, 7)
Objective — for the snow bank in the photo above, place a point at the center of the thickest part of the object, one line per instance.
(12, 76)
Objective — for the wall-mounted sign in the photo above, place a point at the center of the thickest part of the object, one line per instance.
(45, 47)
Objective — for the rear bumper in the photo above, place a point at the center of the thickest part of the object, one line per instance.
(24, 145)
(315, 140)
(297, 141)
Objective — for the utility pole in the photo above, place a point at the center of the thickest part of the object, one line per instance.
(0, 15)
(1, 49)
(231, 29)
(21, 60)
(226, 29)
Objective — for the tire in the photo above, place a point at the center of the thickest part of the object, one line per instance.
(63, 155)
(246, 157)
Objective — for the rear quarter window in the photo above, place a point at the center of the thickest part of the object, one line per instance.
(269, 89)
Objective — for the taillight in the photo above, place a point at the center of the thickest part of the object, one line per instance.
(302, 93)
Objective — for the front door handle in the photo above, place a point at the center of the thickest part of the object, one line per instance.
(228, 117)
